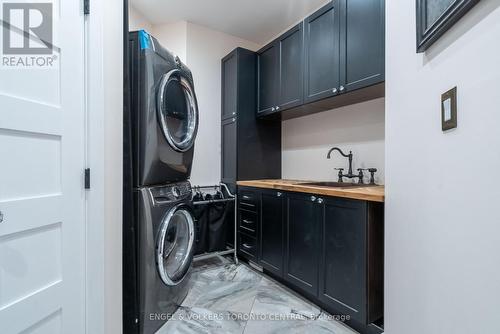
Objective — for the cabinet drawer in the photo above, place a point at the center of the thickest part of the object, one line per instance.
(247, 245)
(248, 200)
(248, 222)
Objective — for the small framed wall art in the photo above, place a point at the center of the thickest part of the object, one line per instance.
(435, 17)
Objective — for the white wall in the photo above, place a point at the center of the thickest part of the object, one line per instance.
(137, 21)
(205, 49)
(173, 36)
(358, 127)
(442, 227)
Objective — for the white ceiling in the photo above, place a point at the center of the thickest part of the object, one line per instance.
(254, 20)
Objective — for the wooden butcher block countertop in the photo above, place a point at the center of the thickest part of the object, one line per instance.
(371, 193)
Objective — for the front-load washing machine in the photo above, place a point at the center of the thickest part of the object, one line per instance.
(163, 113)
(158, 252)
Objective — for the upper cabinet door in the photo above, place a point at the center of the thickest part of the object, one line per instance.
(291, 68)
(268, 80)
(322, 53)
(229, 85)
(362, 44)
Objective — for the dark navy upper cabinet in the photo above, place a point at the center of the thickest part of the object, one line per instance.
(251, 148)
(335, 57)
(268, 78)
(280, 73)
(362, 46)
(322, 53)
(290, 68)
(229, 83)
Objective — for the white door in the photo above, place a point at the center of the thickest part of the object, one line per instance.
(42, 200)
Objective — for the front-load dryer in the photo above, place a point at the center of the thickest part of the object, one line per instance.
(158, 252)
(163, 113)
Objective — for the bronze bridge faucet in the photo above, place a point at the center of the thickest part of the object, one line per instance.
(350, 174)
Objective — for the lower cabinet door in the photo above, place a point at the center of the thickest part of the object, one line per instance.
(342, 283)
(272, 231)
(302, 242)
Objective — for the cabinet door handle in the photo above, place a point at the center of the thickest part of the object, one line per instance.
(273, 109)
(277, 107)
(247, 221)
(313, 198)
(246, 246)
(320, 201)
(246, 197)
(341, 88)
(279, 194)
(334, 91)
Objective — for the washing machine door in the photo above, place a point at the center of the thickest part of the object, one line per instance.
(177, 110)
(175, 245)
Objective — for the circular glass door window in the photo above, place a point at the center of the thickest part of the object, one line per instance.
(175, 246)
(177, 111)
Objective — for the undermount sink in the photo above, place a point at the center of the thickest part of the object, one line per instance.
(336, 184)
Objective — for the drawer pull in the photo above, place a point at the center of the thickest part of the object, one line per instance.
(246, 221)
(246, 197)
(247, 246)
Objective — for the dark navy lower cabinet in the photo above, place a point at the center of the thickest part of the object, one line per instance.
(272, 231)
(342, 272)
(302, 242)
(329, 249)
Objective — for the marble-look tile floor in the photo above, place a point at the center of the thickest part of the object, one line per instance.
(225, 298)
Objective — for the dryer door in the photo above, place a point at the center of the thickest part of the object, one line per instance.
(177, 110)
(175, 245)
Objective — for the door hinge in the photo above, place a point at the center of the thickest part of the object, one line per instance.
(86, 7)
(87, 178)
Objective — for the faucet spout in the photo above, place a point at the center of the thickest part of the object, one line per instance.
(338, 150)
(349, 156)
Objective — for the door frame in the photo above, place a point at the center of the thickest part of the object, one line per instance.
(104, 142)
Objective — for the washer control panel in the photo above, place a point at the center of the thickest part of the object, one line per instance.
(171, 193)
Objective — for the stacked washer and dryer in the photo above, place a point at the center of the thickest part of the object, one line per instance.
(160, 127)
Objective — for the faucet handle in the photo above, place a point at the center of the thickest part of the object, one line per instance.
(361, 175)
(341, 175)
(372, 172)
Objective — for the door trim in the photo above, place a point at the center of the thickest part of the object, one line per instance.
(104, 125)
